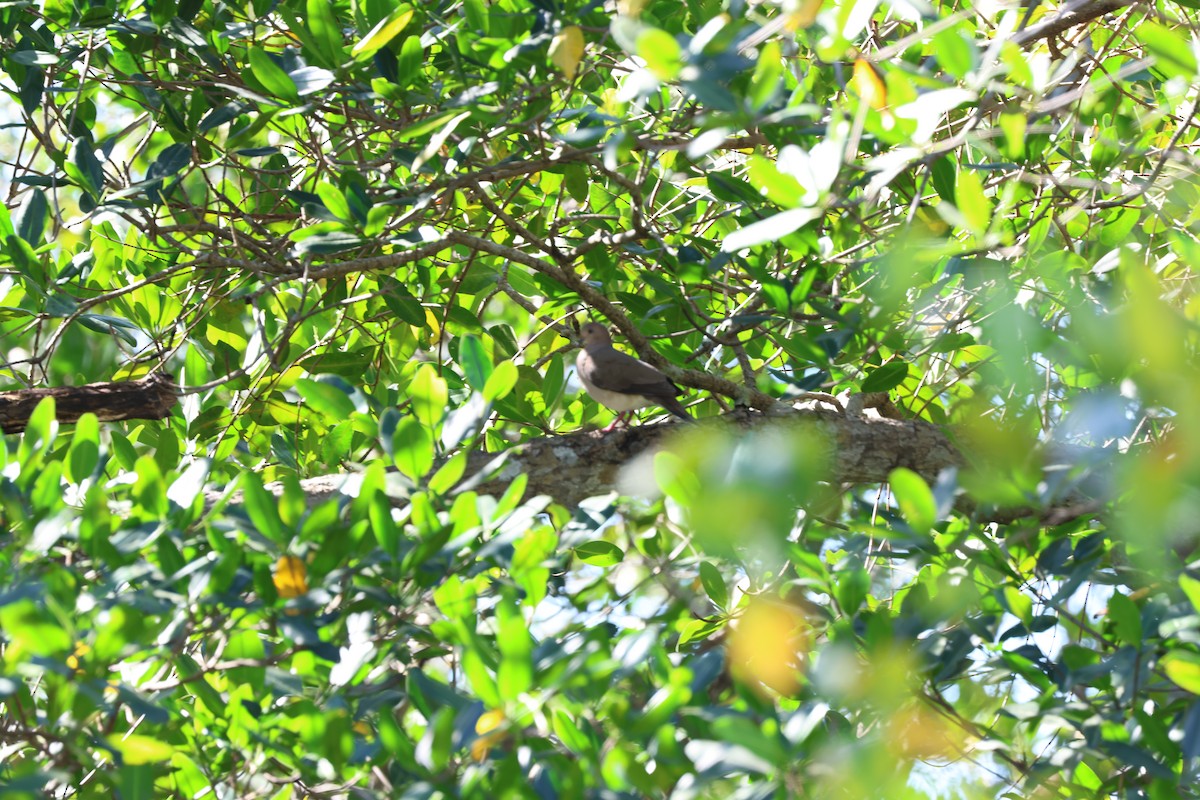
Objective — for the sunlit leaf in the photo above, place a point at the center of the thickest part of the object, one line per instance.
(290, 576)
(869, 84)
(384, 31)
(1183, 667)
(599, 553)
(768, 644)
(915, 499)
(271, 76)
(138, 749)
(566, 50)
(770, 229)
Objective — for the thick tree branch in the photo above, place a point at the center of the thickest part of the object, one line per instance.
(572, 467)
(1075, 13)
(862, 450)
(152, 397)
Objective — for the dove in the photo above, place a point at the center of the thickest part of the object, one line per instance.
(622, 382)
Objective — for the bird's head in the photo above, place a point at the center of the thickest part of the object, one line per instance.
(594, 334)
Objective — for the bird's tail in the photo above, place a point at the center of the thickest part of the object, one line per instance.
(676, 408)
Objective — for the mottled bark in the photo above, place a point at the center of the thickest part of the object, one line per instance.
(1072, 15)
(152, 397)
(863, 449)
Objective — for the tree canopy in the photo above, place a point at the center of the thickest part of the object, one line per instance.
(923, 266)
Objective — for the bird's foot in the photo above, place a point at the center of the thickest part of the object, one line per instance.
(620, 419)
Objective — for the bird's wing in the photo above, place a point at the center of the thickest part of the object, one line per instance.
(618, 372)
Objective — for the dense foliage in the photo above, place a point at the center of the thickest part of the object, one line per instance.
(357, 233)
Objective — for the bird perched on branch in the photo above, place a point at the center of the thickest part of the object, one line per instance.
(622, 382)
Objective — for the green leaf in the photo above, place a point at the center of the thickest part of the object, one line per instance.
(262, 509)
(430, 396)
(349, 364)
(438, 140)
(326, 399)
(1171, 49)
(334, 200)
(30, 221)
(851, 587)
(915, 499)
(599, 553)
(449, 474)
(412, 448)
(511, 497)
(501, 381)
(410, 61)
(383, 32)
(456, 597)
(778, 187)
(477, 17)
(764, 84)
(886, 377)
(770, 229)
(663, 55)
(480, 677)
(1019, 604)
(383, 524)
(137, 781)
(138, 749)
(515, 676)
(972, 203)
(170, 161)
(84, 453)
(41, 427)
(6, 223)
(114, 326)
(311, 80)
(1126, 618)
(473, 358)
(1183, 667)
(714, 585)
(271, 76)
(190, 483)
(400, 302)
(327, 242)
(955, 51)
(571, 735)
(1191, 588)
(88, 166)
(247, 645)
(945, 177)
(326, 32)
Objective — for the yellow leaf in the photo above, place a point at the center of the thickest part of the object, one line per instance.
(630, 8)
(566, 50)
(769, 644)
(81, 650)
(489, 721)
(434, 325)
(387, 29)
(914, 732)
(291, 577)
(869, 84)
(804, 15)
(486, 726)
(1183, 667)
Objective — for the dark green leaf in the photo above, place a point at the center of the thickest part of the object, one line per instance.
(473, 357)
(326, 32)
(271, 77)
(714, 585)
(30, 220)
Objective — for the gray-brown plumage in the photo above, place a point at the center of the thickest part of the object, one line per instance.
(622, 382)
